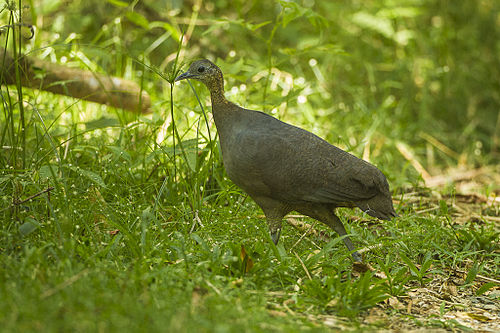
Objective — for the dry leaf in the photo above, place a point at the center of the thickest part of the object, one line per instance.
(361, 267)
(333, 303)
(276, 313)
(478, 317)
(246, 260)
(395, 303)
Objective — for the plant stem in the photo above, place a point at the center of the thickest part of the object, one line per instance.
(269, 43)
(19, 88)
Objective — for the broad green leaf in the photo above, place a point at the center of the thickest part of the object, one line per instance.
(425, 266)
(191, 156)
(399, 12)
(45, 171)
(48, 6)
(471, 275)
(102, 122)
(381, 25)
(118, 152)
(292, 11)
(93, 177)
(118, 3)
(29, 226)
(176, 34)
(485, 287)
(410, 264)
(138, 19)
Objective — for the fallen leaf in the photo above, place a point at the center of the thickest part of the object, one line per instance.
(361, 267)
(246, 260)
(276, 313)
(333, 303)
(408, 308)
(395, 303)
(478, 317)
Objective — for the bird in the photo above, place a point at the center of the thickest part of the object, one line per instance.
(284, 168)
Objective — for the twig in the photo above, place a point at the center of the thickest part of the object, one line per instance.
(486, 217)
(484, 278)
(48, 207)
(303, 266)
(48, 189)
(217, 291)
(303, 235)
(476, 216)
(426, 210)
(75, 82)
(299, 226)
(410, 156)
(30, 26)
(439, 145)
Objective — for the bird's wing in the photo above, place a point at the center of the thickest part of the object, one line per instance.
(342, 186)
(337, 176)
(295, 164)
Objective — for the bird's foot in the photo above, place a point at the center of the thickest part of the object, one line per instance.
(357, 256)
(275, 236)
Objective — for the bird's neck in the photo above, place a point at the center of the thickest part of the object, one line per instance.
(217, 95)
(222, 109)
(223, 112)
(216, 87)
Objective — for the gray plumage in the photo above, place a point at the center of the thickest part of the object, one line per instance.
(285, 168)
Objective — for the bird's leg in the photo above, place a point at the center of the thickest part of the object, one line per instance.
(328, 217)
(334, 222)
(274, 224)
(275, 211)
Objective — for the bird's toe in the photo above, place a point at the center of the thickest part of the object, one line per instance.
(275, 236)
(357, 256)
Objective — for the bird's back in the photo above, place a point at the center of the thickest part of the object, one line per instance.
(267, 157)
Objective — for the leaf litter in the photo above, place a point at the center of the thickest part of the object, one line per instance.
(447, 301)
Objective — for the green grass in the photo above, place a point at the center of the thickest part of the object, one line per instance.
(115, 221)
(165, 270)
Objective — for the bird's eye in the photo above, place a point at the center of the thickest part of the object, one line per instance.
(201, 69)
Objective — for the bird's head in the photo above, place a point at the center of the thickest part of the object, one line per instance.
(205, 71)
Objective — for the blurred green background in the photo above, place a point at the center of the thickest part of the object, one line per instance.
(355, 72)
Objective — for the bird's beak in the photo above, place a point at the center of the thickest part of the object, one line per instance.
(183, 76)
